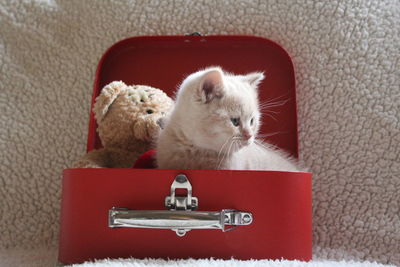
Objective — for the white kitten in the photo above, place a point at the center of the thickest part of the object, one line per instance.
(214, 125)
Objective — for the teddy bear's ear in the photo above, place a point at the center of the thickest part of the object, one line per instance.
(107, 96)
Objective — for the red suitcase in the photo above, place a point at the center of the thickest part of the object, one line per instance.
(106, 213)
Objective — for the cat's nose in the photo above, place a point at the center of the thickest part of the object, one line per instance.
(246, 136)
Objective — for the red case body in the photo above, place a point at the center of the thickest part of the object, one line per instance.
(279, 201)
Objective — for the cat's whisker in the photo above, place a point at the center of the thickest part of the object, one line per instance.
(222, 147)
(219, 160)
(267, 106)
(237, 145)
(274, 104)
(269, 115)
(276, 98)
(230, 148)
(270, 134)
(226, 153)
(262, 144)
(271, 111)
(258, 147)
(220, 151)
(268, 109)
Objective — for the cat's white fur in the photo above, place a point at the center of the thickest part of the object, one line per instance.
(201, 133)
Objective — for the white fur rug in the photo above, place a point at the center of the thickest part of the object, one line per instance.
(347, 60)
(44, 257)
(227, 263)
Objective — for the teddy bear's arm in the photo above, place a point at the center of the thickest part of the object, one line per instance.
(120, 158)
(94, 159)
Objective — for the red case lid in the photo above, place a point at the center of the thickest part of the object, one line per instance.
(164, 61)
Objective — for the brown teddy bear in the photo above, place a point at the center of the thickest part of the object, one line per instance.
(129, 119)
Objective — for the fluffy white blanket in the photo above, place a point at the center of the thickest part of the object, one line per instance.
(347, 60)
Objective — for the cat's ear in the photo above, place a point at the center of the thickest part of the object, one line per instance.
(254, 78)
(211, 85)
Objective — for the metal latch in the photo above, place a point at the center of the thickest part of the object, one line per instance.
(181, 216)
(188, 202)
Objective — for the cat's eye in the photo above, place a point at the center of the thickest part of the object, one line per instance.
(235, 121)
(149, 111)
(251, 121)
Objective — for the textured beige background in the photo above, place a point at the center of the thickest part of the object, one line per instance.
(346, 55)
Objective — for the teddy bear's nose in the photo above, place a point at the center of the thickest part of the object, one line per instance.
(149, 111)
(161, 123)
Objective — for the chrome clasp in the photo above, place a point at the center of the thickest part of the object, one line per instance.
(180, 216)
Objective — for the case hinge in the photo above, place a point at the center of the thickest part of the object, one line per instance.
(175, 202)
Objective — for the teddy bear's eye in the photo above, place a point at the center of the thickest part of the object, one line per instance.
(149, 111)
(141, 100)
